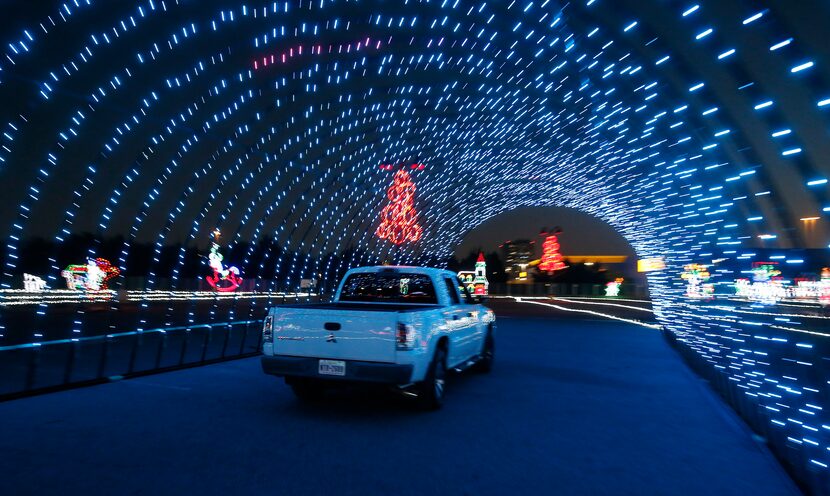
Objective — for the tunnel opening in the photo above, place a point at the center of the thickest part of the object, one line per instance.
(592, 252)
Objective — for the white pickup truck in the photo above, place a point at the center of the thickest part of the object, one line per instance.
(402, 326)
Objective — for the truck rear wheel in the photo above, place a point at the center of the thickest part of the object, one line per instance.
(485, 361)
(431, 390)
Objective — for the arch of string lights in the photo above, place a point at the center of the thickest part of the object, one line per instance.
(163, 120)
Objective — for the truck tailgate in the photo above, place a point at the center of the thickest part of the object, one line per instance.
(336, 334)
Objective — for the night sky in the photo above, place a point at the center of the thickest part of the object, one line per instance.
(581, 234)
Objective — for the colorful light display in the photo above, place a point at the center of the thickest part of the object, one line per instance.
(476, 280)
(697, 277)
(399, 220)
(33, 283)
(481, 286)
(223, 279)
(612, 289)
(467, 278)
(551, 258)
(767, 286)
(765, 271)
(94, 276)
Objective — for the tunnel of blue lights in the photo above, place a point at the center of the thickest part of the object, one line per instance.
(696, 129)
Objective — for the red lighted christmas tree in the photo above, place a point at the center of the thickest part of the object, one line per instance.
(399, 222)
(551, 258)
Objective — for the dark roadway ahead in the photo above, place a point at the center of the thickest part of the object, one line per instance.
(574, 406)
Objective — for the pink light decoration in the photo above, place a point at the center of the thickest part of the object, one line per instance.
(297, 51)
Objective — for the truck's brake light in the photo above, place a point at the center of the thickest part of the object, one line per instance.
(267, 330)
(405, 337)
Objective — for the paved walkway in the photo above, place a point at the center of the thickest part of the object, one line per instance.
(574, 406)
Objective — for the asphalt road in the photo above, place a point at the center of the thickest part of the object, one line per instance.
(574, 406)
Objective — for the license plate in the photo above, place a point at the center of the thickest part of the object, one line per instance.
(332, 367)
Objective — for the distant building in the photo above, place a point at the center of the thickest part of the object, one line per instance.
(517, 256)
(618, 264)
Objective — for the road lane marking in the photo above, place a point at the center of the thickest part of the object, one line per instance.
(608, 316)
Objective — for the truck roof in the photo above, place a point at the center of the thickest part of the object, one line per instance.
(431, 271)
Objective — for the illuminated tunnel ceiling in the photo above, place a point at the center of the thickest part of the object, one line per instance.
(697, 130)
(694, 129)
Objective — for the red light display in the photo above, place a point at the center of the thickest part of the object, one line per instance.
(551, 258)
(399, 223)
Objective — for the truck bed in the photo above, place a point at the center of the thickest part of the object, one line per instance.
(363, 307)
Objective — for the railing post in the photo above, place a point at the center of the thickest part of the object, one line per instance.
(133, 353)
(102, 364)
(70, 363)
(31, 372)
(160, 350)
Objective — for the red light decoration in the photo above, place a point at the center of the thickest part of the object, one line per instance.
(399, 222)
(551, 258)
(110, 271)
(223, 279)
(227, 283)
(415, 166)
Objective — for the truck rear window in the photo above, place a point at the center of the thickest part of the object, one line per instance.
(391, 287)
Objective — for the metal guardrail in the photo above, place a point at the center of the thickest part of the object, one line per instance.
(796, 462)
(222, 329)
(761, 412)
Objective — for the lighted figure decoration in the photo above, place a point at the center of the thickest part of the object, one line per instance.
(809, 289)
(399, 222)
(743, 288)
(33, 283)
(476, 281)
(551, 258)
(696, 276)
(767, 286)
(612, 288)
(94, 276)
(481, 285)
(223, 279)
(824, 281)
(467, 278)
(765, 271)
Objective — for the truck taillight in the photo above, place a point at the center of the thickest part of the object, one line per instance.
(405, 337)
(267, 330)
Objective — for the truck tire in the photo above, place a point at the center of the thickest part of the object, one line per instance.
(306, 390)
(431, 390)
(485, 362)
